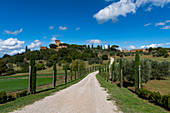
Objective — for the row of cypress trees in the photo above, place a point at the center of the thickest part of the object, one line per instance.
(32, 73)
(105, 73)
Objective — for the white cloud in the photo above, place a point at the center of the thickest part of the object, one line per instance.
(54, 38)
(167, 21)
(17, 51)
(130, 47)
(51, 27)
(95, 41)
(114, 10)
(166, 27)
(123, 7)
(160, 24)
(35, 44)
(127, 42)
(160, 3)
(147, 24)
(155, 45)
(148, 9)
(62, 28)
(13, 33)
(77, 28)
(11, 44)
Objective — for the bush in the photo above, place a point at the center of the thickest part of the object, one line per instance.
(10, 98)
(3, 97)
(40, 66)
(105, 57)
(21, 94)
(49, 63)
(166, 55)
(11, 71)
(59, 64)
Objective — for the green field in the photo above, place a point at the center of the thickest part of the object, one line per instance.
(127, 101)
(10, 85)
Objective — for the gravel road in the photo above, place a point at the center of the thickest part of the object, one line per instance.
(84, 97)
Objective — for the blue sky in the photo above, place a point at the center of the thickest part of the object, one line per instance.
(127, 23)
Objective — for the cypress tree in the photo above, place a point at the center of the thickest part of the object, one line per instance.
(54, 74)
(32, 75)
(71, 73)
(137, 63)
(120, 73)
(107, 73)
(66, 74)
(112, 71)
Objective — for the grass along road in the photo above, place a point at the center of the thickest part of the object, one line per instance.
(127, 101)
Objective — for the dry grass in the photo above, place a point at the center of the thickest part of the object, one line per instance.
(162, 86)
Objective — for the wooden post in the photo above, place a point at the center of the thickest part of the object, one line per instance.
(139, 78)
(30, 80)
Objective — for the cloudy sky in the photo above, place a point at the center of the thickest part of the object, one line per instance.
(128, 23)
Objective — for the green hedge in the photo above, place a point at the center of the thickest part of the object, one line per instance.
(21, 94)
(5, 98)
(155, 97)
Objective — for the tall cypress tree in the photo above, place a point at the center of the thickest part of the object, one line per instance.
(32, 76)
(137, 63)
(113, 71)
(65, 68)
(54, 74)
(107, 73)
(120, 73)
(71, 73)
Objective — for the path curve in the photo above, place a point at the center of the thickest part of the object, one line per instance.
(84, 97)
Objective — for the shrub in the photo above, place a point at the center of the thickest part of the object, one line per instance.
(166, 55)
(40, 66)
(10, 98)
(3, 97)
(105, 57)
(21, 94)
(59, 64)
(49, 63)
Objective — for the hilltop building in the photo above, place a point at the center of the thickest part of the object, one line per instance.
(58, 43)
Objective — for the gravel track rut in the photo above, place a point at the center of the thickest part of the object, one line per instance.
(84, 97)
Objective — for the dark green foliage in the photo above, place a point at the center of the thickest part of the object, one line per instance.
(105, 57)
(40, 66)
(33, 74)
(54, 74)
(49, 63)
(21, 94)
(154, 97)
(113, 70)
(120, 73)
(59, 64)
(166, 55)
(3, 97)
(65, 68)
(160, 69)
(71, 73)
(145, 70)
(137, 63)
(3, 67)
(53, 46)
